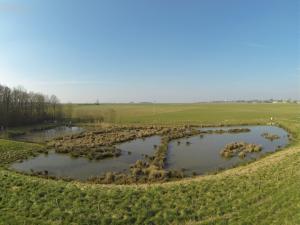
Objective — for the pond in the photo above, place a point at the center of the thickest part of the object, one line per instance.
(202, 154)
(62, 165)
(197, 154)
(46, 135)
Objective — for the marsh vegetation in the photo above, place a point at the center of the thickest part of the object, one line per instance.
(111, 145)
(240, 149)
(270, 137)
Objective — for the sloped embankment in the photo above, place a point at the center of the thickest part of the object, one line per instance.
(266, 191)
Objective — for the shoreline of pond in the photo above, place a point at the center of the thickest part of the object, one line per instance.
(161, 172)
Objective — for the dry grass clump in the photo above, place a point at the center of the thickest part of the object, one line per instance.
(218, 131)
(238, 130)
(231, 130)
(270, 137)
(239, 148)
(99, 143)
(151, 168)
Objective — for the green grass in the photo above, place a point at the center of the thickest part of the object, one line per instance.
(190, 113)
(11, 151)
(264, 192)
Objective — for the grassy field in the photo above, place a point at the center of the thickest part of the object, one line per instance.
(264, 192)
(189, 113)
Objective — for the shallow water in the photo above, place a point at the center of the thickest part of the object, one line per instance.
(46, 135)
(203, 154)
(63, 165)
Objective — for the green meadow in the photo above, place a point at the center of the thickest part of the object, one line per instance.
(266, 191)
(188, 113)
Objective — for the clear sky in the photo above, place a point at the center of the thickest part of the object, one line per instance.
(152, 50)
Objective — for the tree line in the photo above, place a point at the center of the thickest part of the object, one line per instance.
(19, 107)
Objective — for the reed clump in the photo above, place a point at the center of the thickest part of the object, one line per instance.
(240, 149)
(98, 144)
(152, 168)
(270, 137)
(238, 130)
(230, 131)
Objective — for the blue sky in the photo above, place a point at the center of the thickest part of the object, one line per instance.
(152, 50)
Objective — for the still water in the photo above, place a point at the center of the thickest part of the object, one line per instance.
(63, 165)
(201, 155)
(46, 135)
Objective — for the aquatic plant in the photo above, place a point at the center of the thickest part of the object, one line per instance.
(238, 130)
(239, 148)
(270, 137)
(222, 131)
(101, 140)
(151, 168)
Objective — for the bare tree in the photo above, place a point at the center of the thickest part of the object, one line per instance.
(19, 107)
(54, 105)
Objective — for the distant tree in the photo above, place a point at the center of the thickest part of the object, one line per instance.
(54, 101)
(19, 107)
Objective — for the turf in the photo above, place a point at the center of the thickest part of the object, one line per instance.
(264, 192)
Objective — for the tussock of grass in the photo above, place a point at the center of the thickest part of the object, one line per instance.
(98, 143)
(270, 137)
(240, 149)
(151, 169)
